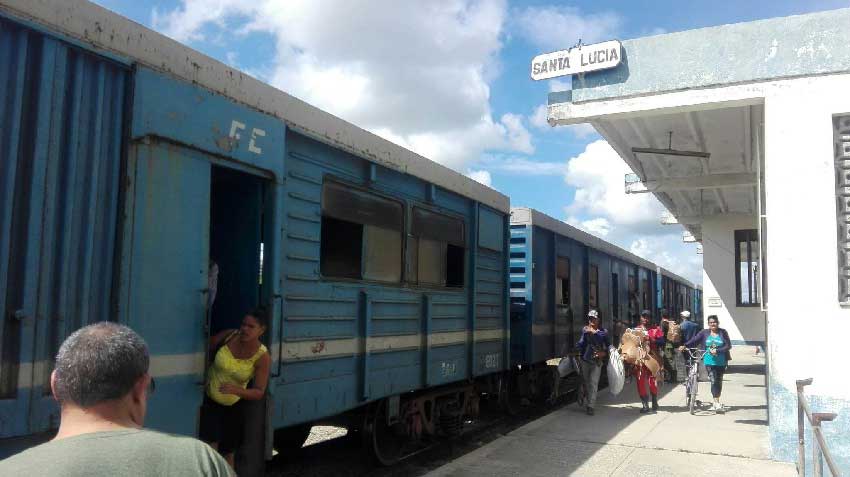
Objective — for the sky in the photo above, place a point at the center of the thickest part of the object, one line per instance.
(449, 79)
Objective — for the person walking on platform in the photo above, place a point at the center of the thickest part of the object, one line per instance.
(673, 339)
(646, 383)
(716, 340)
(688, 327)
(593, 348)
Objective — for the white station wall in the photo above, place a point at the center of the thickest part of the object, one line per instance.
(744, 324)
(806, 323)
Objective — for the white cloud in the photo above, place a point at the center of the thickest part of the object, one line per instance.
(553, 28)
(601, 207)
(599, 226)
(481, 176)
(523, 166)
(539, 117)
(598, 176)
(414, 72)
(519, 138)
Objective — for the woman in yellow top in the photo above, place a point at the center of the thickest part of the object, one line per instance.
(240, 358)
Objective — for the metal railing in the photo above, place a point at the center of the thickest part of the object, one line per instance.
(820, 451)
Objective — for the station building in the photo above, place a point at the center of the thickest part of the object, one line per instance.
(743, 133)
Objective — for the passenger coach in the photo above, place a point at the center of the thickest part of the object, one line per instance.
(131, 163)
(557, 274)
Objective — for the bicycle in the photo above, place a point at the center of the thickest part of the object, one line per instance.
(692, 383)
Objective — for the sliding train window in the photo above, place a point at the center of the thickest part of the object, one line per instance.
(361, 234)
(633, 297)
(562, 281)
(593, 291)
(644, 294)
(438, 249)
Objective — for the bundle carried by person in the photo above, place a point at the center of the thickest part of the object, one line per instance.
(636, 350)
(674, 332)
(632, 346)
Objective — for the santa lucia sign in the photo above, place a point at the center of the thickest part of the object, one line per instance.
(580, 59)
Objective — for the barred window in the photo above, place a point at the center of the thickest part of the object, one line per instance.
(593, 292)
(562, 281)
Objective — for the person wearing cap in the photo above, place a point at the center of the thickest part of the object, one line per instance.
(688, 327)
(593, 348)
(646, 384)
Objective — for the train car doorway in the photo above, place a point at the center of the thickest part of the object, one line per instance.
(239, 214)
(236, 247)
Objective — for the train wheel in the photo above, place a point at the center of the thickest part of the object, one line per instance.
(509, 397)
(385, 444)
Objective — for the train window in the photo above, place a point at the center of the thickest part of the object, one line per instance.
(747, 263)
(562, 281)
(438, 249)
(382, 250)
(615, 291)
(593, 292)
(644, 293)
(361, 234)
(633, 297)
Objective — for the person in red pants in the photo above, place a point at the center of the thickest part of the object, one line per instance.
(654, 336)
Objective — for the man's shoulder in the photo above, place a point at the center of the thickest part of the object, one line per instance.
(174, 442)
(63, 455)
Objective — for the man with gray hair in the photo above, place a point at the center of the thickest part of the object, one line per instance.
(102, 384)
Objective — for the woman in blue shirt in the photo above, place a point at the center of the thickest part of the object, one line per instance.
(716, 341)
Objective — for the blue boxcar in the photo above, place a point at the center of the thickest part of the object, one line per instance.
(130, 162)
(557, 274)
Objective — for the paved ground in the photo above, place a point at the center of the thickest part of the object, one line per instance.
(618, 441)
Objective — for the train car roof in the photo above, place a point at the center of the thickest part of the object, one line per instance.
(668, 273)
(102, 29)
(529, 216)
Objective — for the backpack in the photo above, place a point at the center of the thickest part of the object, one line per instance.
(674, 332)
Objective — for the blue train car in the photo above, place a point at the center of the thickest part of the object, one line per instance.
(557, 274)
(131, 163)
(676, 294)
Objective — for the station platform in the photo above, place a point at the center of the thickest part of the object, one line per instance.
(618, 441)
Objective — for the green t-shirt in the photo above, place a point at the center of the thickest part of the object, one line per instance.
(128, 452)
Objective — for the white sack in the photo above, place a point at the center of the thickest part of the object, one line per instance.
(616, 372)
(565, 367)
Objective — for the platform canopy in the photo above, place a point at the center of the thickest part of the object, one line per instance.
(685, 110)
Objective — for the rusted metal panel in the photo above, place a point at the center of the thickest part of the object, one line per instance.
(61, 122)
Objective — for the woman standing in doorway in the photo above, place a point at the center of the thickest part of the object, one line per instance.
(239, 358)
(716, 340)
